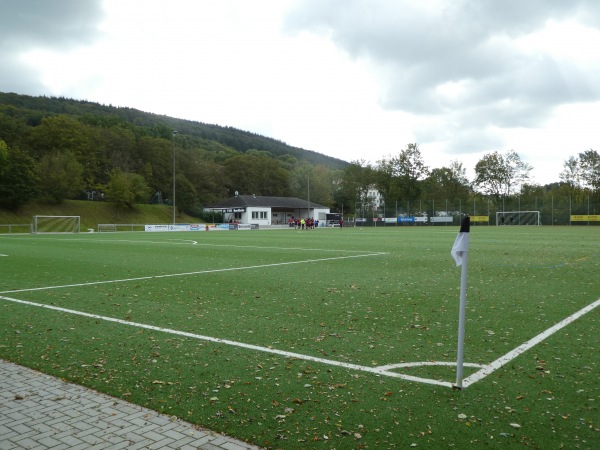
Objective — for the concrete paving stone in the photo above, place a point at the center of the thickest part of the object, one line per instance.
(219, 440)
(61, 447)
(22, 443)
(59, 423)
(41, 427)
(153, 435)
(102, 445)
(143, 444)
(68, 439)
(211, 446)
(82, 425)
(164, 443)
(91, 439)
(118, 446)
(35, 413)
(199, 443)
(133, 436)
(173, 434)
(146, 429)
(184, 441)
(48, 441)
(120, 422)
(159, 420)
(94, 431)
(82, 446)
(115, 438)
(233, 446)
(131, 429)
(11, 435)
(21, 428)
(18, 416)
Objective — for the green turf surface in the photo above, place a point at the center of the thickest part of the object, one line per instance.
(363, 297)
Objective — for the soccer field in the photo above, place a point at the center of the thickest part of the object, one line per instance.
(326, 338)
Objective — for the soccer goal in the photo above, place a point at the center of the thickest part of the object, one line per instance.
(518, 218)
(55, 224)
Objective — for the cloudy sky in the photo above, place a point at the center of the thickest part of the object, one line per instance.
(354, 79)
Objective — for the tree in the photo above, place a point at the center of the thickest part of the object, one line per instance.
(571, 173)
(321, 185)
(125, 189)
(447, 183)
(187, 198)
(499, 176)
(589, 162)
(401, 177)
(59, 133)
(60, 176)
(257, 173)
(18, 183)
(312, 183)
(354, 184)
(582, 175)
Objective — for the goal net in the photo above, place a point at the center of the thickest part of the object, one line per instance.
(55, 224)
(518, 218)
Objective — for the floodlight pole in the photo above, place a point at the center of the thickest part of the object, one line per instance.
(308, 189)
(174, 207)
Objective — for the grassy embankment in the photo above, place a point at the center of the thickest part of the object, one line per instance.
(93, 213)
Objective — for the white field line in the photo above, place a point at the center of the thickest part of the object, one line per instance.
(495, 365)
(206, 244)
(199, 272)
(374, 370)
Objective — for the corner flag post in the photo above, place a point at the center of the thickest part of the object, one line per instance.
(460, 253)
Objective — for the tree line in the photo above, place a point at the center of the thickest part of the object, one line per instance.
(52, 149)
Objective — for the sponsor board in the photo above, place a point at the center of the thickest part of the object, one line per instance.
(178, 227)
(243, 226)
(585, 218)
(445, 219)
(407, 219)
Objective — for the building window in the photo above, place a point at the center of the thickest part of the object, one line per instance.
(259, 214)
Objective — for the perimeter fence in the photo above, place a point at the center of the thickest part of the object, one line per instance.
(553, 210)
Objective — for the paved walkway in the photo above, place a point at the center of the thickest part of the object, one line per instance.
(38, 411)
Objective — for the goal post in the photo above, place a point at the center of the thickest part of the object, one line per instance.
(55, 224)
(518, 218)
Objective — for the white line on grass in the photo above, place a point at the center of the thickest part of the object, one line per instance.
(206, 244)
(199, 272)
(492, 367)
(375, 370)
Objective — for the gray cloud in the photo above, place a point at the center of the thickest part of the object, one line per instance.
(27, 25)
(416, 50)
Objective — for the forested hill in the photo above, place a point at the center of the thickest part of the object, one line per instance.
(33, 109)
(56, 149)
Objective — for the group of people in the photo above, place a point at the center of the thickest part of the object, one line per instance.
(304, 224)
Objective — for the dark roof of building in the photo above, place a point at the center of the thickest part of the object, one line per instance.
(243, 201)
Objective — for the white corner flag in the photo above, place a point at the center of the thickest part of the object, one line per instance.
(461, 243)
(460, 253)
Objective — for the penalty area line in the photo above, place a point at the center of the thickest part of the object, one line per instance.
(199, 272)
(374, 370)
(495, 365)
